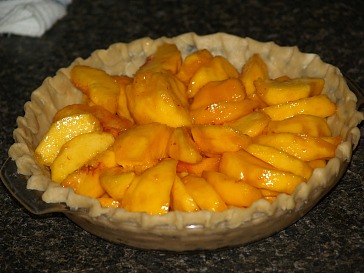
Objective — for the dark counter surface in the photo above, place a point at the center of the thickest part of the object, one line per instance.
(330, 238)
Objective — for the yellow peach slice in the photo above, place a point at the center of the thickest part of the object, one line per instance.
(181, 146)
(142, 144)
(235, 193)
(254, 69)
(218, 91)
(252, 124)
(281, 160)
(320, 106)
(115, 181)
(212, 140)
(62, 131)
(85, 181)
(166, 58)
(304, 147)
(243, 168)
(152, 190)
(77, 152)
(223, 112)
(203, 193)
(277, 92)
(192, 63)
(180, 199)
(206, 164)
(300, 124)
(97, 85)
(158, 97)
(217, 69)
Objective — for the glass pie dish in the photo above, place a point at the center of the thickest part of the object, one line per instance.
(30, 182)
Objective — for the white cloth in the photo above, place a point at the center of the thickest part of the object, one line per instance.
(30, 17)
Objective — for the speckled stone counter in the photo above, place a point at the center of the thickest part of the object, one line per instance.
(328, 239)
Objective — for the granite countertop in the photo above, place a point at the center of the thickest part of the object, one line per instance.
(330, 238)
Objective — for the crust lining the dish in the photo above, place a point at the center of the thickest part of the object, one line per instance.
(120, 58)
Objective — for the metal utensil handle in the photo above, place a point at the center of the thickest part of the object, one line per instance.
(31, 199)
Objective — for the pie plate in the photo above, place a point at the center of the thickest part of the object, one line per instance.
(30, 183)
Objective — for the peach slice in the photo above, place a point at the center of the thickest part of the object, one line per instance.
(166, 58)
(213, 140)
(242, 166)
(192, 63)
(115, 181)
(180, 199)
(206, 164)
(150, 192)
(77, 152)
(122, 103)
(254, 69)
(218, 91)
(158, 97)
(252, 124)
(142, 144)
(85, 181)
(300, 124)
(234, 193)
(304, 147)
(97, 85)
(277, 92)
(203, 193)
(62, 131)
(181, 146)
(223, 112)
(217, 69)
(281, 160)
(320, 106)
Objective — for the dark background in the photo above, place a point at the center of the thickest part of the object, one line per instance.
(328, 239)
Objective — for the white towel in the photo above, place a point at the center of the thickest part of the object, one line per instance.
(30, 17)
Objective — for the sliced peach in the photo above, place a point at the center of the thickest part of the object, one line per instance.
(180, 199)
(115, 181)
(203, 193)
(217, 69)
(235, 193)
(122, 103)
(110, 123)
(142, 144)
(61, 132)
(181, 146)
(300, 124)
(252, 124)
(108, 202)
(192, 63)
(254, 68)
(166, 58)
(158, 97)
(243, 168)
(85, 181)
(232, 164)
(320, 106)
(152, 190)
(222, 112)
(212, 139)
(228, 90)
(77, 152)
(97, 85)
(206, 164)
(281, 160)
(304, 147)
(277, 92)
